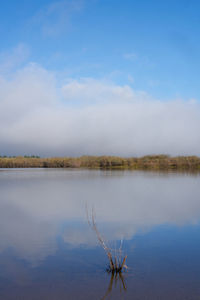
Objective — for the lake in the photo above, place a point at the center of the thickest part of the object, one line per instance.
(48, 251)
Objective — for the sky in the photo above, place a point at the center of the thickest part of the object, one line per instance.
(99, 77)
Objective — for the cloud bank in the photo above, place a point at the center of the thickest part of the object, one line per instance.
(40, 115)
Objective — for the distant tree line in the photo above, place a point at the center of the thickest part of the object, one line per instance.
(149, 162)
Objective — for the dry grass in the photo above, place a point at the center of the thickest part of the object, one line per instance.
(150, 162)
(116, 262)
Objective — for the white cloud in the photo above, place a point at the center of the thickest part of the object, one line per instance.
(88, 89)
(89, 116)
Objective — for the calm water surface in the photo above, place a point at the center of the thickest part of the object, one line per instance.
(48, 251)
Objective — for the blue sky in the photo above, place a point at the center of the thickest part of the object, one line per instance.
(151, 45)
(97, 53)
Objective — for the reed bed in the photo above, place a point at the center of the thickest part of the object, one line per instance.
(149, 162)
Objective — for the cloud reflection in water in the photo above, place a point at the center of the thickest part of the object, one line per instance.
(38, 206)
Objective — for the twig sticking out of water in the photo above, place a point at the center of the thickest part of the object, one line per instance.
(116, 265)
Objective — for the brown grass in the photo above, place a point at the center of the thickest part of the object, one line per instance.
(149, 162)
(116, 263)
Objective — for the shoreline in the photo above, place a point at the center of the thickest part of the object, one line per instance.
(148, 162)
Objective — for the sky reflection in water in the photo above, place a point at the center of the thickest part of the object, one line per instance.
(48, 251)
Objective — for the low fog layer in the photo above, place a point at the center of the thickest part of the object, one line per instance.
(42, 115)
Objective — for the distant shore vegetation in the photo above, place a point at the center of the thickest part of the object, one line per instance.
(148, 162)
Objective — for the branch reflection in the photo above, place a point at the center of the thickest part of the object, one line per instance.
(119, 281)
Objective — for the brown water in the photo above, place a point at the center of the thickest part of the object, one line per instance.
(48, 251)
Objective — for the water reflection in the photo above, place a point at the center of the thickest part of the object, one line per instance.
(48, 251)
(118, 281)
(37, 206)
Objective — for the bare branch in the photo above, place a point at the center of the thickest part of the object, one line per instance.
(115, 266)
